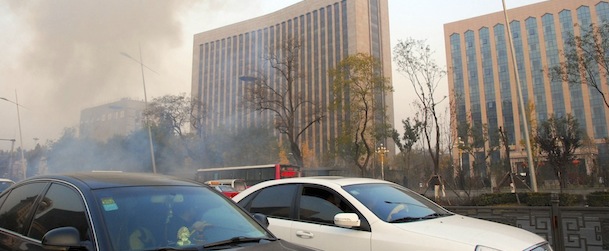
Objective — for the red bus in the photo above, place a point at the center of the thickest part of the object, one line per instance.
(251, 174)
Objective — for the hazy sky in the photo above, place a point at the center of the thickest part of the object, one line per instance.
(62, 56)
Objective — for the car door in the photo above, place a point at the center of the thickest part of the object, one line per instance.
(314, 224)
(61, 206)
(15, 214)
(276, 203)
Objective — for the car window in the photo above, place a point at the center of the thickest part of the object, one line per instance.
(17, 209)
(224, 188)
(274, 201)
(240, 185)
(320, 205)
(60, 207)
(389, 202)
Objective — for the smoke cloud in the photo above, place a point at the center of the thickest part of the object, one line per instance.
(64, 56)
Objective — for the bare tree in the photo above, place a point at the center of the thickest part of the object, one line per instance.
(277, 93)
(414, 59)
(357, 80)
(175, 113)
(586, 59)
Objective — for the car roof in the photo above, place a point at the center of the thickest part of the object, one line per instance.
(329, 180)
(97, 180)
(6, 180)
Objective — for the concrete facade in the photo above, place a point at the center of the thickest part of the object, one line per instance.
(117, 118)
(329, 30)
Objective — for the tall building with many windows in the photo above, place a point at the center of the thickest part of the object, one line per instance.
(328, 30)
(482, 81)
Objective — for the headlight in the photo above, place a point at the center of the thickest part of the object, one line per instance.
(543, 247)
(485, 248)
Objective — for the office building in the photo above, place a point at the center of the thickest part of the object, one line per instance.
(118, 118)
(482, 81)
(328, 30)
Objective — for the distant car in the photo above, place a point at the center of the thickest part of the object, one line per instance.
(238, 184)
(126, 211)
(337, 213)
(5, 183)
(227, 190)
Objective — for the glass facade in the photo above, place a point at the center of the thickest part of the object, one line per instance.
(539, 35)
(575, 91)
(488, 79)
(505, 84)
(471, 59)
(552, 60)
(458, 84)
(597, 115)
(536, 70)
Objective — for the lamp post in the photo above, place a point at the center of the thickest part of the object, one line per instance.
(23, 166)
(522, 107)
(460, 147)
(145, 106)
(10, 155)
(382, 150)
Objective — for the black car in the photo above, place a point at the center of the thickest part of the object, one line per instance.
(126, 211)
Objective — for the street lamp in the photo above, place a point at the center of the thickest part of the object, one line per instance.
(382, 150)
(23, 166)
(525, 124)
(460, 147)
(145, 105)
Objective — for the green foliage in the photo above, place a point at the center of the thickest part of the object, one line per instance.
(494, 199)
(538, 199)
(558, 138)
(412, 131)
(526, 199)
(356, 83)
(598, 199)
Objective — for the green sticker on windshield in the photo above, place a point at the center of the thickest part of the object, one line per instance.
(109, 204)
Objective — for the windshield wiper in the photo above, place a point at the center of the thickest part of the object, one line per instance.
(177, 249)
(237, 240)
(411, 219)
(434, 215)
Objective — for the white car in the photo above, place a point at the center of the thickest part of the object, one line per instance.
(338, 213)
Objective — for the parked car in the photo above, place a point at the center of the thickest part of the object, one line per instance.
(126, 211)
(227, 190)
(337, 213)
(5, 183)
(238, 184)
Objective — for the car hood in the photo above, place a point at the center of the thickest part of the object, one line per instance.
(471, 231)
(278, 245)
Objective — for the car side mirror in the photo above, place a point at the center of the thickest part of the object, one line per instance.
(262, 219)
(348, 220)
(62, 238)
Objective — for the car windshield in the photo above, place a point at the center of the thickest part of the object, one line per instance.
(150, 218)
(395, 204)
(225, 188)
